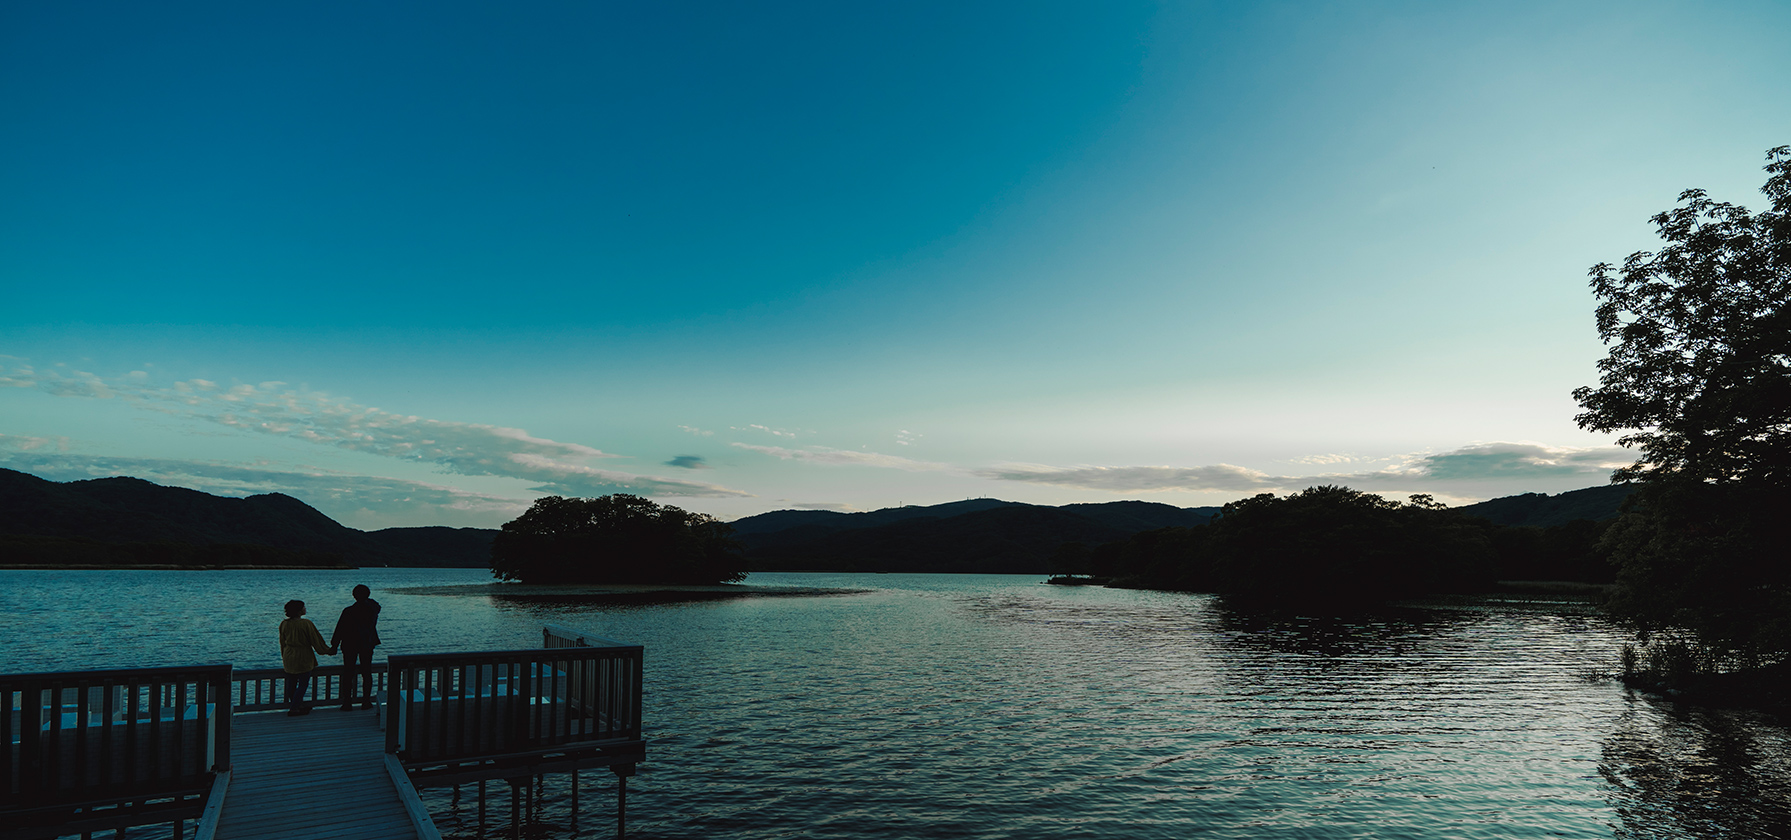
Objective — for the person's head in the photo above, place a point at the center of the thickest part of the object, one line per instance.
(362, 593)
(294, 609)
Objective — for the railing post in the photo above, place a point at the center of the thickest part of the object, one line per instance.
(221, 690)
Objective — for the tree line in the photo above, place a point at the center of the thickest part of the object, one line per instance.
(1337, 546)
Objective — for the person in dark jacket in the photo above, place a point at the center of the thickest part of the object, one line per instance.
(357, 632)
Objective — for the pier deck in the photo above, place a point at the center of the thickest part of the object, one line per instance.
(299, 777)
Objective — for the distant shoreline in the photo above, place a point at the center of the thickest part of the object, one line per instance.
(621, 592)
(162, 567)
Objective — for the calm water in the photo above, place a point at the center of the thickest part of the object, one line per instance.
(997, 707)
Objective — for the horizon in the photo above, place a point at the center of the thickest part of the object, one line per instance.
(422, 265)
(874, 510)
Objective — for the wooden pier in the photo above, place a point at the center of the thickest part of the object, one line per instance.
(96, 750)
(296, 777)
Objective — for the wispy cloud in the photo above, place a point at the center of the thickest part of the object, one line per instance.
(755, 427)
(1486, 461)
(696, 431)
(24, 443)
(833, 506)
(1478, 464)
(846, 457)
(1138, 479)
(1325, 460)
(272, 408)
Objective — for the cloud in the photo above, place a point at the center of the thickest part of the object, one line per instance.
(766, 429)
(689, 462)
(1138, 479)
(846, 457)
(833, 506)
(696, 431)
(1517, 460)
(1483, 465)
(1315, 460)
(32, 444)
(312, 416)
(576, 480)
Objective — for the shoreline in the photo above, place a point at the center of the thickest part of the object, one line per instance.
(643, 593)
(165, 567)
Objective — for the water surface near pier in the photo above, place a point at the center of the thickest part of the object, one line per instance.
(998, 707)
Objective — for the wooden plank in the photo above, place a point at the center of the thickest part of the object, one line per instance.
(413, 805)
(214, 808)
(319, 776)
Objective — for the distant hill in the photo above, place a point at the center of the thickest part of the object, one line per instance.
(1540, 510)
(830, 520)
(976, 535)
(129, 520)
(132, 521)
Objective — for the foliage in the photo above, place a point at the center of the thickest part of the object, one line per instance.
(1333, 543)
(1707, 558)
(615, 539)
(1568, 551)
(1699, 374)
(1324, 544)
(1699, 378)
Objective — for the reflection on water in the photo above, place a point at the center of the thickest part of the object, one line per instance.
(993, 706)
(1684, 772)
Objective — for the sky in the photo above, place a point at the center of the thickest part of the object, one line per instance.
(422, 263)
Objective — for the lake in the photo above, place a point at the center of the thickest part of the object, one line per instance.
(994, 706)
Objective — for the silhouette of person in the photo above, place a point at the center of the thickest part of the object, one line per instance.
(298, 638)
(357, 633)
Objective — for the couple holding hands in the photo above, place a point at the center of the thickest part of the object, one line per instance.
(356, 635)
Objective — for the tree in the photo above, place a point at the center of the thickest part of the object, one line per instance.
(1699, 374)
(1698, 378)
(1338, 545)
(615, 539)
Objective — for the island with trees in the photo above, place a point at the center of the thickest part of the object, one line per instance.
(615, 539)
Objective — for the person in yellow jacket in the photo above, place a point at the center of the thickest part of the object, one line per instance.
(298, 638)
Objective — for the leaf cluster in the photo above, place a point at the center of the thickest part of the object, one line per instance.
(615, 539)
(1698, 377)
(1324, 544)
(1699, 369)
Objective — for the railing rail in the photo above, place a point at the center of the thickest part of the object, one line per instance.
(468, 706)
(559, 636)
(75, 739)
(264, 689)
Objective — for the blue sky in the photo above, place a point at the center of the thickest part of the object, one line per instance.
(419, 263)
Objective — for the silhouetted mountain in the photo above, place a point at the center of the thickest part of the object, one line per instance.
(977, 535)
(129, 520)
(1136, 516)
(1013, 539)
(443, 547)
(831, 520)
(1540, 510)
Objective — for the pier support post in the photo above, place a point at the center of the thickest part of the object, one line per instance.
(515, 809)
(622, 771)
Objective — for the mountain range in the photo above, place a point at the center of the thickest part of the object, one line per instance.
(125, 521)
(113, 521)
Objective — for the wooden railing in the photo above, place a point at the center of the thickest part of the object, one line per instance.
(265, 689)
(91, 748)
(559, 636)
(456, 707)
